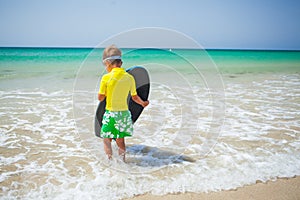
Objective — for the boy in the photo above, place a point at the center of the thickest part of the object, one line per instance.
(115, 87)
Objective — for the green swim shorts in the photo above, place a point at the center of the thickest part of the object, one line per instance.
(116, 124)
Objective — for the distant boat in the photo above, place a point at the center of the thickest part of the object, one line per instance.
(170, 49)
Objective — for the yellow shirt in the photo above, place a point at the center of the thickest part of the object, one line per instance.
(116, 86)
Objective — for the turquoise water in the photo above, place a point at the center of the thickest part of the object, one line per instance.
(226, 60)
(256, 61)
(217, 120)
(62, 64)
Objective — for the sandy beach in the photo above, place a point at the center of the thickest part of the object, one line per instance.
(281, 189)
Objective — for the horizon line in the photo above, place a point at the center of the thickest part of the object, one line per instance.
(210, 48)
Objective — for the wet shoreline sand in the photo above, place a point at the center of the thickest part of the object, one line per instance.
(282, 188)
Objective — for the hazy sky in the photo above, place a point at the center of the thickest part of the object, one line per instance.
(241, 24)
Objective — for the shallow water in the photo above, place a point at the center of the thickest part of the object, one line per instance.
(182, 142)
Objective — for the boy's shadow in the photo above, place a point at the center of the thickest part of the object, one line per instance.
(147, 156)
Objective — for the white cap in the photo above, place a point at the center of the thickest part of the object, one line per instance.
(112, 58)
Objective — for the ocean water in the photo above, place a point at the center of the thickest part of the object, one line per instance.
(217, 120)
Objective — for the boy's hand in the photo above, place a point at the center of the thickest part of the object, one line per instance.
(145, 103)
(138, 100)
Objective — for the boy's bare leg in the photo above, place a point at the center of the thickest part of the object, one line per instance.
(122, 148)
(107, 147)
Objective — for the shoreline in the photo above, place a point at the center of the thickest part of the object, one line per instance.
(282, 188)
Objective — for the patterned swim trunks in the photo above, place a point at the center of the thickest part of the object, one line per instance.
(116, 124)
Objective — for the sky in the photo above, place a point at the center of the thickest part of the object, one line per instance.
(214, 24)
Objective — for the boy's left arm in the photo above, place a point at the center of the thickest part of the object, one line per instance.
(136, 97)
(101, 97)
(138, 100)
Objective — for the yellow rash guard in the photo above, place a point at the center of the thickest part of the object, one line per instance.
(116, 86)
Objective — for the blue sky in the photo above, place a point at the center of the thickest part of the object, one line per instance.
(230, 24)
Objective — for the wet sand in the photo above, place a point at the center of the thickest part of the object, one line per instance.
(281, 189)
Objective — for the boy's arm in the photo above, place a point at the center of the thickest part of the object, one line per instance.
(101, 97)
(138, 100)
(136, 97)
(102, 89)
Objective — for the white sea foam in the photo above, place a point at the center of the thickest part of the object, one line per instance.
(46, 153)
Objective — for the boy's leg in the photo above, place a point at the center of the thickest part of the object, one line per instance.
(121, 144)
(107, 147)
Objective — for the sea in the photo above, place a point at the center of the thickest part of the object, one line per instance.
(217, 120)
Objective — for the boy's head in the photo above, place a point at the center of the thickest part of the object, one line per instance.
(112, 56)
